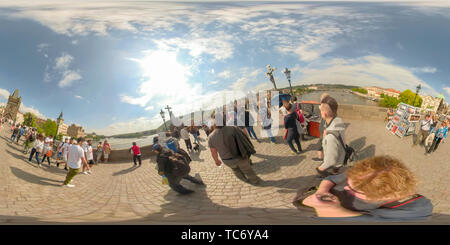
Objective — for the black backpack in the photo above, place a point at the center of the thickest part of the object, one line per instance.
(180, 167)
(349, 151)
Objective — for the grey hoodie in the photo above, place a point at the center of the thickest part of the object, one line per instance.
(333, 151)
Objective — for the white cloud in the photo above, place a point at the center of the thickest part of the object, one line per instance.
(130, 126)
(246, 76)
(78, 97)
(426, 69)
(63, 62)
(225, 74)
(4, 93)
(68, 78)
(74, 42)
(24, 109)
(214, 82)
(149, 108)
(447, 90)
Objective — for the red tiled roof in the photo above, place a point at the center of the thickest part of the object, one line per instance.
(393, 90)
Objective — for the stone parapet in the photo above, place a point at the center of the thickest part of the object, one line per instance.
(361, 112)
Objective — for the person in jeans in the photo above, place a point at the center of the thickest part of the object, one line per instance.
(185, 136)
(441, 134)
(15, 133)
(333, 150)
(379, 188)
(290, 125)
(249, 122)
(136, 154)
(319, 157)
(425, 126)
(230, 153)
(75, 157)
(21, 132)
(266, 120)
(38, 147)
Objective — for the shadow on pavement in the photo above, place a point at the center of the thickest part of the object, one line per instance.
(272, 164)
(125, 171)
(33, 178)
(367, 152)
(22, 157)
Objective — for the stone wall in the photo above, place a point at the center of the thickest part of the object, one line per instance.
(124, 155)
(362, 112)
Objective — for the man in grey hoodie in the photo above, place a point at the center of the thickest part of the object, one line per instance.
(333, 150)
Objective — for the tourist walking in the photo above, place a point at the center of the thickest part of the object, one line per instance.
(75, 157)
(441, 134)
(136, 154)
(194, 131)
(290, 124)
(21, 132)
(249, 122)
(319, 146)
(38, 147)
(89, 156)
(106, 150)
(333, 149)
(425, 126)
(185, 136)
(99, 152)
(29, 139)
(48, 146)
(234, 148)
(166, 160)
(15, 133)
(65, 152)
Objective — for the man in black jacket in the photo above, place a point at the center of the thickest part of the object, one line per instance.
(165, 167)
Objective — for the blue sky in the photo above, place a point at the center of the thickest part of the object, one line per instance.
(111, 66)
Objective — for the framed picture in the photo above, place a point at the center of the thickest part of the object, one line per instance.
(396, 119)
(394, 129)
(411, 110)
(399, 112)
(414, 118)
(400, 131)
(389, 125)
(402, 107)
(417, 111)
(404, 124)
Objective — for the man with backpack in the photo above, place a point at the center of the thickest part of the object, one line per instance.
(174, 167)
(235, 149)
(334, 148)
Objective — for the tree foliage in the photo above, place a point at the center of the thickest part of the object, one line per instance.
(360, 90)
(389, 101)
(49, 127)
(29, 119)
(407, 97)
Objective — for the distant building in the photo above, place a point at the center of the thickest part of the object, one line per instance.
(431, 104)
(312, 87)
(377, 91)
(62, 129)
(75, 131)
(13, 105)
(19, 118)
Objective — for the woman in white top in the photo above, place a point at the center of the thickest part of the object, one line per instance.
(38, 148)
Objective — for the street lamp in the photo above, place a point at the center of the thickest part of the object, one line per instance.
(269, 73)
(417, 92)
(163, 118)
(287, 72)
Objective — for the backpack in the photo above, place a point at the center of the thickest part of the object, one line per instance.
(300, 115)
(32, 137)
(349, 151)
(180, 167)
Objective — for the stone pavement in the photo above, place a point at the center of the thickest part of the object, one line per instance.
(122, 194)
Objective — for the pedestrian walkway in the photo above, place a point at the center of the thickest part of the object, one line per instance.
(124, 194)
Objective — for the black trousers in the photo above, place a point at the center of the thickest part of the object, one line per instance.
(137, 157)
(48, 159)
(174, 183)
(293, 136)
(188, 144)
(435, 144)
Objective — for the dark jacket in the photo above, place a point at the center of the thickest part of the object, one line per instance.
(239, 144)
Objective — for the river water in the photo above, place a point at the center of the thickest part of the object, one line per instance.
(342, 97)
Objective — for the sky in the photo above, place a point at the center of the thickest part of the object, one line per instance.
(111, 66)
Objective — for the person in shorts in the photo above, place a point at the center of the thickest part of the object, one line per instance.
(89, 156)
(106, 150)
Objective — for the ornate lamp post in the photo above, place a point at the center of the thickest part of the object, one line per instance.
(163, 118)
(417, 92)
(269, 73)
(287, 72)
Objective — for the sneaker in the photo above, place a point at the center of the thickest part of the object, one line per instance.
(40, 165)
(293, 153)
(85, 172)
(427, 154)
(89, 172)
(317, 159)
(69, 185)
(57, 165)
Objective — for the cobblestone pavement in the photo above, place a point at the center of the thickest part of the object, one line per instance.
(122, 194)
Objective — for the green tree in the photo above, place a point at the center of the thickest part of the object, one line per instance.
(389, 101)
(39, 130)
(29, 119)
(381, 95)
(407, 97)
(60, 136)
(360, 90)
(49, 127)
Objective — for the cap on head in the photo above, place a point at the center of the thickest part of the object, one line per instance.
(156, 147)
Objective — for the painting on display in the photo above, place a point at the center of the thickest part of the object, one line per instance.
(399, 112)
(394, 129)
(414, 118)
(404, 124)
(400, 131)
(396, 119)
(411, 110)
(402, 107)
(389, 125)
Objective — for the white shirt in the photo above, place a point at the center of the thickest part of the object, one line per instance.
(89, 153)
(38, 145)
(284, 111)
(47, 142)
(74, 156)
(426, 125)
(61, 146)
(184, 134)
(66, 148)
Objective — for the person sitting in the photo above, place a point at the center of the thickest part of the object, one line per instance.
(379, 188)
(166, 168)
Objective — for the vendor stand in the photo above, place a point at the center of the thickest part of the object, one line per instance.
(403, 122)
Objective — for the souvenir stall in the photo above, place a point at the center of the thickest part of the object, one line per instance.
(404, 121)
